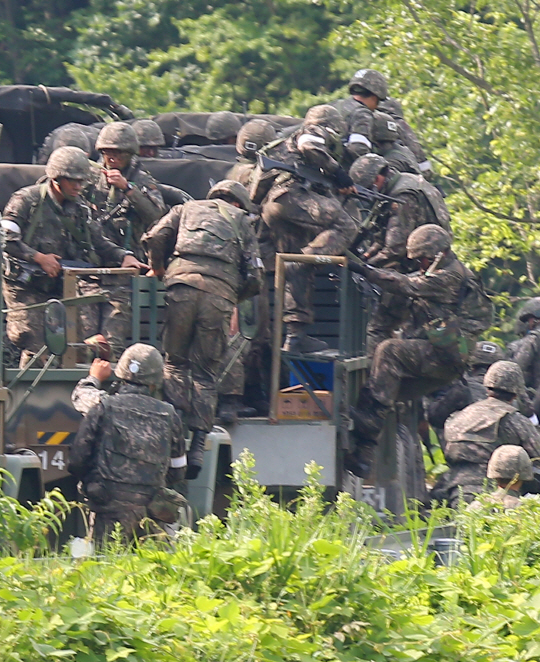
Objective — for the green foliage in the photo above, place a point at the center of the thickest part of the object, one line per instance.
(279, 585)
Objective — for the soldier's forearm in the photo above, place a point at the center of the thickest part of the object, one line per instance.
(145, 208)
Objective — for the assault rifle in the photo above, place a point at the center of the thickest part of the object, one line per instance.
(27, 273)
(315, 176)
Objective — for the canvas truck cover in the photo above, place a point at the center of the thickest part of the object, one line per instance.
(29, 113)
(190, 128)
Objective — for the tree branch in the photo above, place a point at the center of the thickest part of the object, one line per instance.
(529, 29)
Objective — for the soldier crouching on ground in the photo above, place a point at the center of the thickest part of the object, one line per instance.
(443, 330)
(215, 264)
(50, 222)
(127, 445)
(472, 434)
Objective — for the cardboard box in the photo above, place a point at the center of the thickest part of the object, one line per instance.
(295, 404)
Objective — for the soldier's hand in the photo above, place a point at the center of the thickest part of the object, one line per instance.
(116, 178)
(350, 190)
(100, 369)
(131, 261)
(49, 263)
(159, 273)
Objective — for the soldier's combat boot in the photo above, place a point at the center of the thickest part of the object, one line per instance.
(368, 416)
(298, 342)
(231, 408)
(195, 455)
(360, 460)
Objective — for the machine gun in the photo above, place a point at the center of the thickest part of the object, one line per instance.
(27, 273)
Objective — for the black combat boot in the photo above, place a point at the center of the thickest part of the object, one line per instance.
(360, 460)
(368, 416)
(231, 408)
(195, 455)
(298, 342)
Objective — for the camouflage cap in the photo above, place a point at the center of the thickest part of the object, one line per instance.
(384, 128)
(230, 188)
(328, 117)
(148, 133)
(254, 135)
(71, 136)
(486, 353)
(530, 309)
(393, 107)
(510, 462)
(365, 169)
(70, 162)
(427, 241)
(141, 364)
(505, 376)
(222, 125)
(371, 80)
(118, 135)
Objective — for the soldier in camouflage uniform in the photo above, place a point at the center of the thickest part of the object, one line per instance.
(510, 466)
(475, 432)
(420, 204)
(127, 445)
(386, 144)
(127, 201)
(254, 135)
(367, 88)
(72, 134)
(303, 217)
(527, 351)
(222, 128)
(407, 135)
(54, 222)
(433, 294)
(215, 264)
(149, 136)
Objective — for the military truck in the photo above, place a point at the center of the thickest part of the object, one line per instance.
(310, 398)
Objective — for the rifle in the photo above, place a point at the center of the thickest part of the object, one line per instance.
(28, 273)
(315, 176)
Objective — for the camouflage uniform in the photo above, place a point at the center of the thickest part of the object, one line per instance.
(304, 218)
(508, 498)
(126, 446)
(210, 240)
(420, 204)
(386, 144)
(471, 437)
(407, 135)
(25, 328)
(251, 138)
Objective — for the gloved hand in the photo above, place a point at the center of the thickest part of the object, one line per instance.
(343, 179)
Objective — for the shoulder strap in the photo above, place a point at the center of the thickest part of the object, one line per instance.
(36, 214)
(234, 223)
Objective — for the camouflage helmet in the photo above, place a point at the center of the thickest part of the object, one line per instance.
(326, 116)
(365, 169)
(254, 135)
(222, 125)
(530, 309)
(505, 376)
(371, 80)
(384, 128)
(148, 133)
(118, 135)
(393, 107)
(486, 353)
(510, 462)
(71, 136)
(141, 364)
(228, 187)
(427, 241)
(70, 162)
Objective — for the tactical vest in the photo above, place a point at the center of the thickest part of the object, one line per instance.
(209, 229)
(478, 422)
(401, 158)
(408, 183)
(135, 446)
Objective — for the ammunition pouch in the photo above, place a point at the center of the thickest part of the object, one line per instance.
(165, 505)
(446, 338)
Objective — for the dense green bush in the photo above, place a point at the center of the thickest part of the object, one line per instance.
(275, 584)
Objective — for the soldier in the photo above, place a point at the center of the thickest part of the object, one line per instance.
(475, 432)
(420, 204)
(443, 328)
(67, 135)
(407, 136)
(251, 138)
(367, 88)
(49, 222)
(216, 263)
(303, 217)
(527, 352)
(510, 466)
(150, 137)
(127, 444)
(222, 128)
(386, 144)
